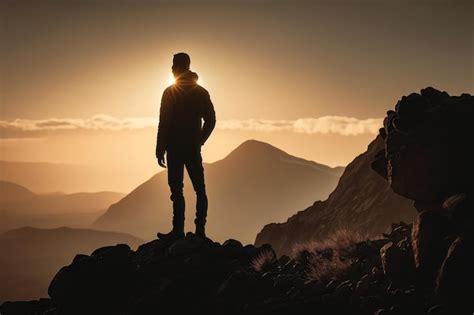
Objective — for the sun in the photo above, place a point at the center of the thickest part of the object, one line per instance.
(171, 80)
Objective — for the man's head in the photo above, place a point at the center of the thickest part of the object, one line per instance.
(181, 62)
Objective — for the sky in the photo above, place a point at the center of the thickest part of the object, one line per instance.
(81, 81)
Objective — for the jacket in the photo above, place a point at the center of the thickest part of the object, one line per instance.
(184, 107)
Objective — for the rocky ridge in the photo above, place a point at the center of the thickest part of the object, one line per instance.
(424, 268)
(199, 275)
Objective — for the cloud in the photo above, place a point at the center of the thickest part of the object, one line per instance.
(346, 126)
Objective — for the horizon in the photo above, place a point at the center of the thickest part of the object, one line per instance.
(125, 192)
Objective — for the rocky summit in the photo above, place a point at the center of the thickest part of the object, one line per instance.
(206, 277)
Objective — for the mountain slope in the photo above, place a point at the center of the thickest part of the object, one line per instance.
(11, 192)
(21, 207)
(362, 202)
(255, 184)
(31, 257)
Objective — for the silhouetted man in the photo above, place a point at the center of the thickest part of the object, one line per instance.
(181, 134)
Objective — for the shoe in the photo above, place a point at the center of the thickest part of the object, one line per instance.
(200, 231)
(173, 235)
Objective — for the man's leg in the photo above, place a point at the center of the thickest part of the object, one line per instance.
(196, 173)
(175, 166)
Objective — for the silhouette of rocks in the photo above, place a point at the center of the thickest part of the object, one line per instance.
(103, 280)
(428, 158)
(41, 306)
(199, 275)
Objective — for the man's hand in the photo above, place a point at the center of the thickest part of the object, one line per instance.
(160, 156)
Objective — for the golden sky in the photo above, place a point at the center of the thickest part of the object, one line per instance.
(81, 81)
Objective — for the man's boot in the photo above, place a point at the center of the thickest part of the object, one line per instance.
(175, 234)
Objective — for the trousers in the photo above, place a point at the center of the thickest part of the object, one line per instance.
(177, 160)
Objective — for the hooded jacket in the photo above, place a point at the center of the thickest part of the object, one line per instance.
(184, 107)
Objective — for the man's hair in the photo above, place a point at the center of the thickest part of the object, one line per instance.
(181, 61)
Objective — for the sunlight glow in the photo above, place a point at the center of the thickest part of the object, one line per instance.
(171, 80)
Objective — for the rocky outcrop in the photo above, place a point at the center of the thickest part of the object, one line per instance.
(428, 158)
(205, 277)
(362, 202)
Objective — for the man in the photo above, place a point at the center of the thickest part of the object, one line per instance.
(181, 134)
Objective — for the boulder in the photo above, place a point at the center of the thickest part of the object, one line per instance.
(95, 283)
(428, 158)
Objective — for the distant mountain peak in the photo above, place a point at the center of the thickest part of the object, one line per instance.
(10, 192)
(256, 148)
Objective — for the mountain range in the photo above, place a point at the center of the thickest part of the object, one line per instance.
(20, 206)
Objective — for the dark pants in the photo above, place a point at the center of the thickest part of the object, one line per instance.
(176, 161)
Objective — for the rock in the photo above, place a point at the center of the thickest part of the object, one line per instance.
(428, 160)
(190, 245)
(331, 285)
(438, 130)
(27, 307)
(455, 283)
(429, 231)
(98, 282)
(245, 286)
(363, 285)
(370, 304)
(436, 310)
(390, 255)
(343, 291)
(285, 282)
(396, 310)
(396, 264)
(232, 247)
(412, 106)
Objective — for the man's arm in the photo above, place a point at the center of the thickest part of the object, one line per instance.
(209, 116)
(163, 127)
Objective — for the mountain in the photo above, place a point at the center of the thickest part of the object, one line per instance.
(20, 206)
(362, 202)
(11, 192)
(255, 184)
(31, 257)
